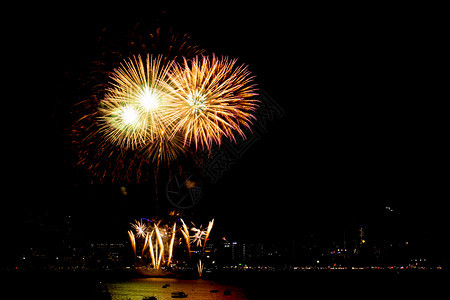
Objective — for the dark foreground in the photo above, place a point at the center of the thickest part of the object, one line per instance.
(270, 285)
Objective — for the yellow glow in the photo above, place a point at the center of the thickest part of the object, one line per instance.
(171, 243)
(148, 99)
(133, 241)
(129, 115)
(197, 101)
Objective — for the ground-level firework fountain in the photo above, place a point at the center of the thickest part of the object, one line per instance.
(153, 243)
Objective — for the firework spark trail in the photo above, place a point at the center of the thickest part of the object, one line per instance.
(152, 254)
(171, 244)
(146, 244)
(132, 241)
(208, 231)
(185, 232)
(200, 268)
(161, 247)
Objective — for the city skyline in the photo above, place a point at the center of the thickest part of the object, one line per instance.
(68, 243)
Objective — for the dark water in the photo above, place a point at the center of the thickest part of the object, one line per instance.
(345, 284)
(196, 289)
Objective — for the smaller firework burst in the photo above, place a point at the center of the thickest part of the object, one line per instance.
(198, 236)
(141, 228)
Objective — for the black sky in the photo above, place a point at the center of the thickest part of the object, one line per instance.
(363, 122)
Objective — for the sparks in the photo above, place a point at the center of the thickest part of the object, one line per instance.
(148, 98)
(208, 231)
(185, 232)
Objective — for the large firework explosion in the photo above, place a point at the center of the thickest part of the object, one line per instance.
(106, 161)
(204, 100)
(155, 107)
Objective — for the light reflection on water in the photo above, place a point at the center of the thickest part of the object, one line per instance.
(136, 289)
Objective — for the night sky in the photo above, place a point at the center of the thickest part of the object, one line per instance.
(362, 125)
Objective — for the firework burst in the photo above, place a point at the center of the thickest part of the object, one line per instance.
(147, 110)
(108, 139)
(141, 228)
(134, 109)
(213, 99)
(198, 236)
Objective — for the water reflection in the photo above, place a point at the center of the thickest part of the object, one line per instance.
(165, 288)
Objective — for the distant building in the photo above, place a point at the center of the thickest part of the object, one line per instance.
(107, 255)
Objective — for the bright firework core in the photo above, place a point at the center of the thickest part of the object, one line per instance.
(148, 99)
(196, 101)
(129, 115)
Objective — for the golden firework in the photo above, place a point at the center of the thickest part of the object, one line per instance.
(133, 111)
(162, 109)
(212, 98)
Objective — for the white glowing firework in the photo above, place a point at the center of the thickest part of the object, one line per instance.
(200, 267)
(208, 231)
(140, 228)
(185, 232)
(198, 236)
